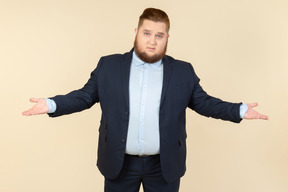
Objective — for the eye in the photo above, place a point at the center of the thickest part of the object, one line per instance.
(146, 34)
(159, 36)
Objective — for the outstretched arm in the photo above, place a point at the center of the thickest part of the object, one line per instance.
(40, 107)
(253, 114)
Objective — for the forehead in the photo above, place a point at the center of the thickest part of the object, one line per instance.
(157, 27)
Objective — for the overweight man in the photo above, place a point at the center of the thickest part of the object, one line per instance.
(143, 96)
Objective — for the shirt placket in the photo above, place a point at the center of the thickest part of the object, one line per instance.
(142, 109)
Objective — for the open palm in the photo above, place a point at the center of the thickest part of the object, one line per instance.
(253, 114)
(39, 108)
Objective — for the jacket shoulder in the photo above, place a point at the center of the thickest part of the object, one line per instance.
(170, 59)
(178, 64)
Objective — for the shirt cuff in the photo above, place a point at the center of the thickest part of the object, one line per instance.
(243, 109)
(51, 105)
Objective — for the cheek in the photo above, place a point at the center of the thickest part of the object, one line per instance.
(141, 42)
(162, 45)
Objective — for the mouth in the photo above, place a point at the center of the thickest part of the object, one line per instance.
(151, 48)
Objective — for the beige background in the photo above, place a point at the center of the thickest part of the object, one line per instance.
(238, 48)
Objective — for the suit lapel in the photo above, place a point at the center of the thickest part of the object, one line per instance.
(167, 65)
(126, 65)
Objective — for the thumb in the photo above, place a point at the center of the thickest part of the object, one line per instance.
(253, 105)
(34, 100)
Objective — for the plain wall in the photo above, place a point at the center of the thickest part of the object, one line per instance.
(238, 48)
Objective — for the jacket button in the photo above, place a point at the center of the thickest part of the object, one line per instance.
(126, 113)
(123, 140)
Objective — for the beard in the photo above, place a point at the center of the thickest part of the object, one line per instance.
(145, 57)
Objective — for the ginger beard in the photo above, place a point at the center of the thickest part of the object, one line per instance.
(145, 57)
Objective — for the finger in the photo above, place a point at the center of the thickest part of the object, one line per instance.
(264, 117)
(31, 112)
(26, 113)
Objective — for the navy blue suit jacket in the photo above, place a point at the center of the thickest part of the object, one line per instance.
(109, 85)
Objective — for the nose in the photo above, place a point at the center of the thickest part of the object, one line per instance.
(152, 40)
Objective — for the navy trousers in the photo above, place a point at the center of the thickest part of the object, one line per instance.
(137, 170)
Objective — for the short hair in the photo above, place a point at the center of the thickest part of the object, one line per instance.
(155, 15)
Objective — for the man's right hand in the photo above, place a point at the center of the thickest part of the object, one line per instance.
(39, 108)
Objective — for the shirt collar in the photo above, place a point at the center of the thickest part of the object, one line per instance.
(138, 62)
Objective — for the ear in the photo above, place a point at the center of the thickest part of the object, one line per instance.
(136, 31)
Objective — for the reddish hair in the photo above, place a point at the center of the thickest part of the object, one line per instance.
(155, 15)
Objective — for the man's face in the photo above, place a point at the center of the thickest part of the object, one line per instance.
(151, 41)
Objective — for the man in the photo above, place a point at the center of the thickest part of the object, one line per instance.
(143, 96)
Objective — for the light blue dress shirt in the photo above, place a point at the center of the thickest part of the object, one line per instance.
(145, 87)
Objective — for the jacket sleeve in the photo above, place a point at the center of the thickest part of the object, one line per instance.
(209, 106)
(80, 99)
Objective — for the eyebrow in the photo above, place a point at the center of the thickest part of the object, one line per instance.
(160, 33)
